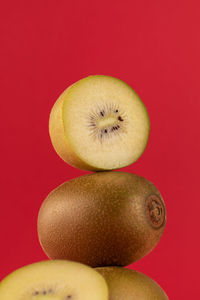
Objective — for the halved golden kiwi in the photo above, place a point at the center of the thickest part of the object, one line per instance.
(99, 123)
(54, 280)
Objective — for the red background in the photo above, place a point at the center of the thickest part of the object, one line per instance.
(152, 45)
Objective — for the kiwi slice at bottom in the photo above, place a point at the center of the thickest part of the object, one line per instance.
(54, 280)
(128, 284)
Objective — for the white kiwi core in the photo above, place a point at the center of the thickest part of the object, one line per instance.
(54, 280)
(110, 121)
(44, 297)
(105, 122)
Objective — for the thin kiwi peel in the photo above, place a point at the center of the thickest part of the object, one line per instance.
(59, 141)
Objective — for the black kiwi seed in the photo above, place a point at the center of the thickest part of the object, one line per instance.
(116, 111)
(105, 130)
(35, 293)
(102, 113)
(120, 119)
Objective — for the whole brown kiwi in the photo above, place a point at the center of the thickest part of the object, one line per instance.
(131, 285)
(102, 219)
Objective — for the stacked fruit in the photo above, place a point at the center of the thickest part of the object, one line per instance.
(105, 220)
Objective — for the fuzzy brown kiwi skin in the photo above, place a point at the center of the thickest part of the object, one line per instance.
(100, 219)
(129, 284)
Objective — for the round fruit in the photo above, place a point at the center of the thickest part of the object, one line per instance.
(102, 219)
(131, 285)
(99, 123)
(54, 280)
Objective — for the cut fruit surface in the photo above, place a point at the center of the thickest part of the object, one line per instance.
(131, 285)
(102, 219)
(54, 280)
(99, 123)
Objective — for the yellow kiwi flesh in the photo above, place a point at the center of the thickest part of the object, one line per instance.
(131, 285)
(54, 280)
(102, 219)
(99, 123)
